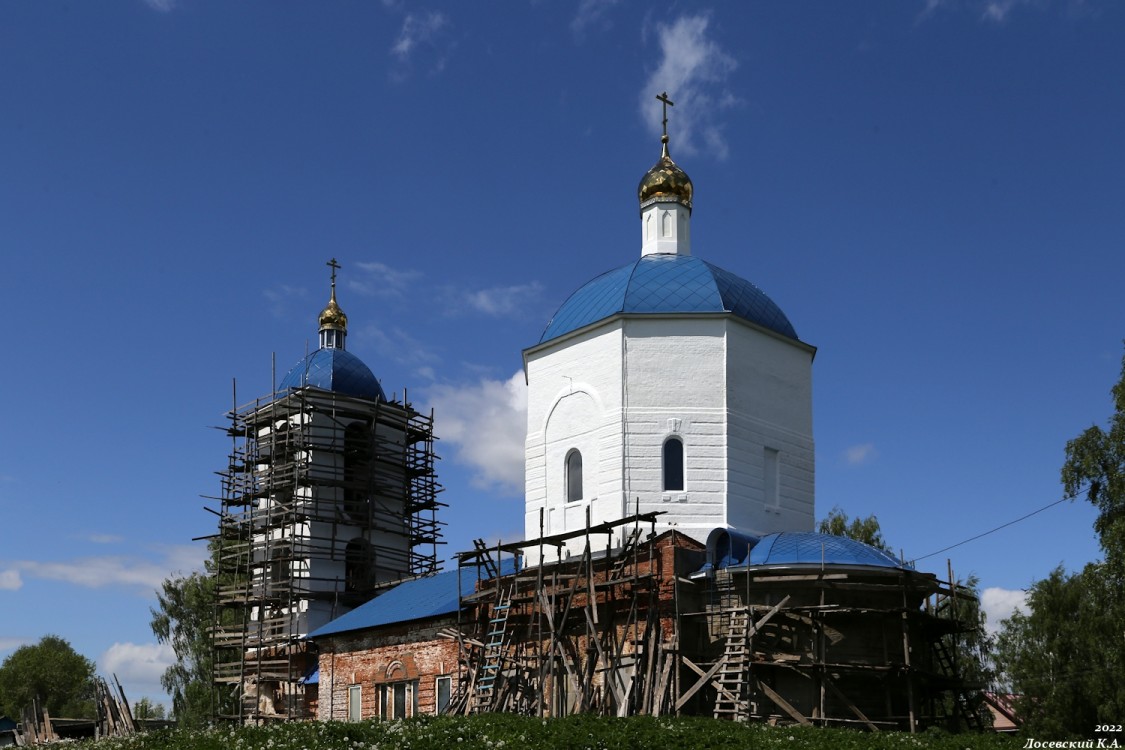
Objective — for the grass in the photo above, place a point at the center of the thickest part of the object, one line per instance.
(509, 732)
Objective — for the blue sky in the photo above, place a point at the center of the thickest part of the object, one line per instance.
(932, 190)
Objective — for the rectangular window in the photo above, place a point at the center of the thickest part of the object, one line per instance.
(355, 702)
(444, 689)
(772, 478)
(399, 700)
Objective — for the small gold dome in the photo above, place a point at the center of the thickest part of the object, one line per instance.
(665, 180)
(332, 316)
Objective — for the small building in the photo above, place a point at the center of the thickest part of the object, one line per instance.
(394, 656)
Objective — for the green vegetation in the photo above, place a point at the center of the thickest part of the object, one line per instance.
(1065, 656)
(183, 618)
(146, 709)
(864, 530)
(52, 672)
(185, 611)
(510, 732)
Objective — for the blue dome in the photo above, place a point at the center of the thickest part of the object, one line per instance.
(334, 370)
(807, 548)
(666, 283)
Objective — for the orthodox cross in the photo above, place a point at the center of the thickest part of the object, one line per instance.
(663, 97)
(335, 266)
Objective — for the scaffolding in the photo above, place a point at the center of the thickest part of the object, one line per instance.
(645, 628)
(595, 632)
(327, 499)
(834, 645)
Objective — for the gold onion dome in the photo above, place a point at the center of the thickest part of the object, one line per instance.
(665, 180)
(332, 316)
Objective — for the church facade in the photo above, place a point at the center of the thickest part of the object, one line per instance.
(669, 384)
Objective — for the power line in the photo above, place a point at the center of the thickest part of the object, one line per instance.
(990, 531)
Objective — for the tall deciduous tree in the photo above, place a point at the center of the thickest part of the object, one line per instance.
(1095, 465)
(51, 672)
(182, 618)
(1065, 656)
(864, 530)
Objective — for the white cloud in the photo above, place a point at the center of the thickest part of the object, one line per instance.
(117, 570)
(282, 297)
(138, 666)
(996, 11)
(393, 343)
(104, 538)
(592, 13)
(503, 300)
(96, 572)
(486, 423)
(999, 604)
(860, 454)
(692, 70)
(10, 580)
(380, 280)
(420, 29)
(145, 661)
(164, 6)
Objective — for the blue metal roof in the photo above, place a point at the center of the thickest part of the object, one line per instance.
(667, 283)
(808, 548)
(728, 547)
(334, 370)
(414, 600)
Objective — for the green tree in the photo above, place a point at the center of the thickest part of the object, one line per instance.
(182, 618)
(146, 709)
(1095, 465)
(52, 672)
(1059, 656)
(1065, 656)
(864, 530)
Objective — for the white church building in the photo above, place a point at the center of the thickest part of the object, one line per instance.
(669, 384)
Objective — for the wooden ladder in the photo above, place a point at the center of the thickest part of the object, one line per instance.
(961, 700)
(730, 703)
(493, 661)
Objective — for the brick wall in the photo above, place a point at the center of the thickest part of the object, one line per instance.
(412, 652)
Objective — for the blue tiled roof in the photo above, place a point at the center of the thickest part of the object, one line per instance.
(807, 548)
(334, 370)
(414, 600)
(666, 283)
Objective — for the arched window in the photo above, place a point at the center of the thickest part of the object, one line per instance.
(673, 464)
(358, 565)
(573, 476)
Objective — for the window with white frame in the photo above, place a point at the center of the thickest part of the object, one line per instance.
(399, 700)
(355, 702)
(673, 469)
(443, 691)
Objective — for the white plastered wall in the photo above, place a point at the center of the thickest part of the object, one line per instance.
(729, 390)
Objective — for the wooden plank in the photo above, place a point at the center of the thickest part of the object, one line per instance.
(126, 711)
(783, 704)
(847, 701)
(705, 677)
(766, 617)
(662, 686)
